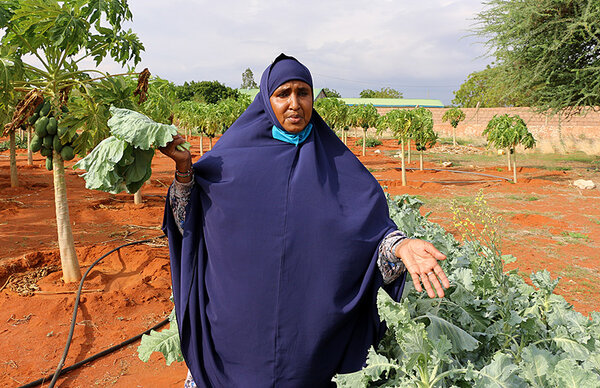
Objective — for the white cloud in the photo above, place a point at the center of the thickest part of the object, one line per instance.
(419, 48)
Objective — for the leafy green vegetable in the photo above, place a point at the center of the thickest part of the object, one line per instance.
(123, 161)
(100, 165)
(139, 130)
(486, 332)
(165, 342)
(184, 146)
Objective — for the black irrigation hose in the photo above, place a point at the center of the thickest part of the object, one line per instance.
(59, 369)
(458, 171)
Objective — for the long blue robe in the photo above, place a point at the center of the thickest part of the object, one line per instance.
(275, 277)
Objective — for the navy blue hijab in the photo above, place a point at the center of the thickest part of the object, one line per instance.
(275, 277)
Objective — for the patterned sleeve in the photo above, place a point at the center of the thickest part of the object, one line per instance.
(391, 267)
(180, 197)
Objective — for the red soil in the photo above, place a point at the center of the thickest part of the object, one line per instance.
(129, 292)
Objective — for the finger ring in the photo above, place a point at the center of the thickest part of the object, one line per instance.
(429, 273)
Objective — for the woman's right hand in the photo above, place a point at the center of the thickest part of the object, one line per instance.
(182, 157)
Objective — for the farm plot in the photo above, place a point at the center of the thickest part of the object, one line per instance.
(548, 224)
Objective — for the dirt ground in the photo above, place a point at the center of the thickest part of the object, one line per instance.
(548, 224)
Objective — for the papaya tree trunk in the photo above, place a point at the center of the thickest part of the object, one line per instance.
(508, 157)
(408, 151)
(14, 178)
(29, 153)
(68, 256)
(201, 144)
(454, 136)
(514, 165)
(403, 166)
(210, 143)
(137, 197)
(364, 150)
(421, 161)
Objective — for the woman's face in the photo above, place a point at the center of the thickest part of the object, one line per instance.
(292, 104)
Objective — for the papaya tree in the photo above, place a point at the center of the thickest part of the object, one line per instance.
(334, 112)
(204, 121)
(214, 124)
(365, 117)
(10, 70)
(399, 123)
(189, 115)
(324, 107)
(508, 132)
(229, 111)
(182, 116)
(346, 122)
(454, 115)
(339, 118)
(53, 38)
(422, 131)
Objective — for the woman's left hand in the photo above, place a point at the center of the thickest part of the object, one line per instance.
(421, 260)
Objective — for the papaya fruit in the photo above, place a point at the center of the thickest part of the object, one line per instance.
(40, 126)
(67, 152)
(45, 108)
(47, 142)
(56, 143)
(45, 151)
(61, 130)
(51, 126)
(36, 143)
(34, 118)
(39, 107)
(49, 163)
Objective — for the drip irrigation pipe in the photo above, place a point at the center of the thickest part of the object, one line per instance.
(59, 369)
(457, 171)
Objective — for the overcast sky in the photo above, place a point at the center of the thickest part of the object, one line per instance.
(421, 48)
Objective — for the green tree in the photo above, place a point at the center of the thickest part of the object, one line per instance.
(209, 92)
(335, 113)
(421, 131)
(191, 115)
(248, 80)
(382, 93)
(331, 93)
(11, 70)
(399, 122)
(455, 116)
(548, 50)
(508, 132)
(59, 35)
(365, 117)
(487, 89)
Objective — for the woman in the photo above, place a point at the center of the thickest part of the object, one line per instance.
(279, 240)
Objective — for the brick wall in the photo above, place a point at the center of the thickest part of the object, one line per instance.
(552, 133)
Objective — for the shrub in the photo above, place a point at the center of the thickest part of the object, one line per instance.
(371, 142)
